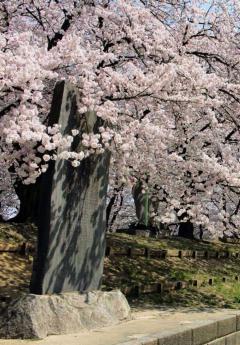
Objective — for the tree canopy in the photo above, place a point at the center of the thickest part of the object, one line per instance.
(163, 76)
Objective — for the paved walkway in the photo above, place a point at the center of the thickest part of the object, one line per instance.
(144, 323)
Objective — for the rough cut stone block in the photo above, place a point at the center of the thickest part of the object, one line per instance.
(231, 339)
(36, 316)
(238, 322)
(132, 342)
(176, 337)
(220, 341)
(227, 325)
(204, 333)
(148, 341)
(238, 338)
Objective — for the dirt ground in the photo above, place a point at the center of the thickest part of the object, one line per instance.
(15, 272)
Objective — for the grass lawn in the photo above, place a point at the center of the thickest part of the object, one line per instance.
(120, 271)
(124, 271)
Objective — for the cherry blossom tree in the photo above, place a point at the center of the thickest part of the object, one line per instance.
(197, 166)
(210, 32)
(163, 76)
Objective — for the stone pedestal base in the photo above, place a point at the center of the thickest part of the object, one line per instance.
(37, 316)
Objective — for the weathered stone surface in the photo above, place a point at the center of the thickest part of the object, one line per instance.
(204, 333)
(238, 322)
(176, 337)
(231, 339)
(238, 337)
(36, 316)
(220, 341)
(132, 342)
(149, 340)
(72, 202)
(227, 325)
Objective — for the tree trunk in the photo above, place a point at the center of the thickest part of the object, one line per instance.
(28, 196)
(109, 210)
(144, 206)
(201, 232)
(186, 230)
(116, 212)
(141, 205)
(71, 238)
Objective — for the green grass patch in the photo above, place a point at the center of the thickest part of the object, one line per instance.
(123, 271)
(171, 243)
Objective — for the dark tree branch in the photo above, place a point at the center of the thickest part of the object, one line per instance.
(52, 42)
(7, 107)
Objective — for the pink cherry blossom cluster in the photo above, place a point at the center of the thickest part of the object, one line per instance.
(162, 76)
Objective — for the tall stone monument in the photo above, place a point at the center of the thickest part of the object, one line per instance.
(71, 209)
